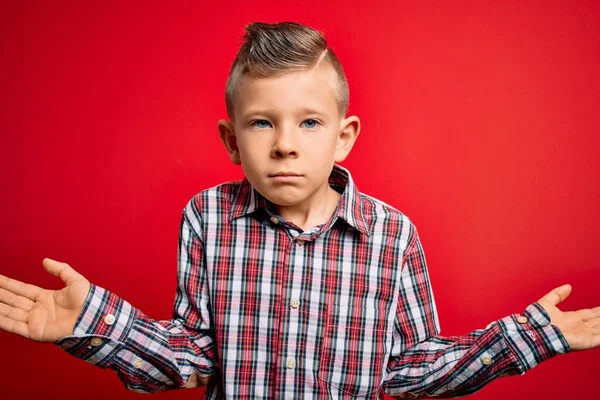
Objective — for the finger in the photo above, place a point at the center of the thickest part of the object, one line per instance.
(61, 270)
(14, 313)
(12, 326)
(19, 288)
(589, 314)
(11, 299)
(557, 295)
(203, 380)
(594, 322)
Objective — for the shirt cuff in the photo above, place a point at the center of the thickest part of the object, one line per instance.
(101, 328)
(531, 337)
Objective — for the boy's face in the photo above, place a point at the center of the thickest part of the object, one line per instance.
(289, 124)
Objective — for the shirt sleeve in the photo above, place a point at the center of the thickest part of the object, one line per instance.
(424, 364)
(149, 355)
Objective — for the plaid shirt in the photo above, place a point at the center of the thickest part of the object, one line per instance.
(342, 310)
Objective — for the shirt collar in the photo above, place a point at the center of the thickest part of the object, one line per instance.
(247, 200)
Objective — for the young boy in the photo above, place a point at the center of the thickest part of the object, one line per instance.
(292, 283)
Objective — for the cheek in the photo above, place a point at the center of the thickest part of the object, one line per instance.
(247, 147)
(323, 147)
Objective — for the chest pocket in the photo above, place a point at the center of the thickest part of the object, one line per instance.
(353, 350)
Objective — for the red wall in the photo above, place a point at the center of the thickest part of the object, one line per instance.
(480, 122)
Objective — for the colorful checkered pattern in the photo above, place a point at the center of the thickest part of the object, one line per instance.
(343, 310)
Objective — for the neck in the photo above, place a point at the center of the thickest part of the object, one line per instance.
(316, 210)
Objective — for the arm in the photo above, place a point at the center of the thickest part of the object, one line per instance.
(423, 363)
(151, 355)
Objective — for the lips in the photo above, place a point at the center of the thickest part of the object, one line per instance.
(285, 177)
(285, 174)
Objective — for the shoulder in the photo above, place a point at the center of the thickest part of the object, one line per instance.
(384, 219)
(215, 200)
(216, 196)
(380, 212)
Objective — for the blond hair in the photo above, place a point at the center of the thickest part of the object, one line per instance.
(274, 49)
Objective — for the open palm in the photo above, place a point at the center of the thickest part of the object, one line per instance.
(580, 328)
(40, 314)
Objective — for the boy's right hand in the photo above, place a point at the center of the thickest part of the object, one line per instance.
(40, 314)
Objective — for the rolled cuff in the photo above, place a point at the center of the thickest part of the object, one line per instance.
(532, 338)
(101, 328)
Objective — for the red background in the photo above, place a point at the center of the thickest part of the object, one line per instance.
(480, 122)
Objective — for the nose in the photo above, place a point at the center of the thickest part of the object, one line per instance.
(285, 143)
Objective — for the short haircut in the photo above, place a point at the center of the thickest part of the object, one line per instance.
(270, 50)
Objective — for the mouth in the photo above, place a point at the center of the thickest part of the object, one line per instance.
(284, 174)
(285, 177)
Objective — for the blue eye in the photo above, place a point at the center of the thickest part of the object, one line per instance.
(261, 123)
(264, 124)
(310, 123)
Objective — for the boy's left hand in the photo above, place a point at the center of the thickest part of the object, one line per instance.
(580, 328)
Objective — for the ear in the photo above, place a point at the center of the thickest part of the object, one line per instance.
(227, 135)
(349, 131)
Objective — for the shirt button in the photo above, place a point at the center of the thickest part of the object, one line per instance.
(486, 360)
(109, 319)
(137, 363)
(522, 320)
(290, 362)
(295, 303)
(300, 242)
(96, 342)
(274, 220)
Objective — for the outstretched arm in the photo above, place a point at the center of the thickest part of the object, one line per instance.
(99, 327)
(423, 363)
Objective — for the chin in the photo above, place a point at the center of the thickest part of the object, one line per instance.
(283, 200)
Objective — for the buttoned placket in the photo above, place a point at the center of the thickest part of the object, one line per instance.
(290, 308)
(283, 361)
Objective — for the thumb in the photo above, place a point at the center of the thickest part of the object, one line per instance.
(61, 270)
(557, 295)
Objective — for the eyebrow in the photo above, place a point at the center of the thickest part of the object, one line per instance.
(303, 110)
(307, 110)
(253, 112)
